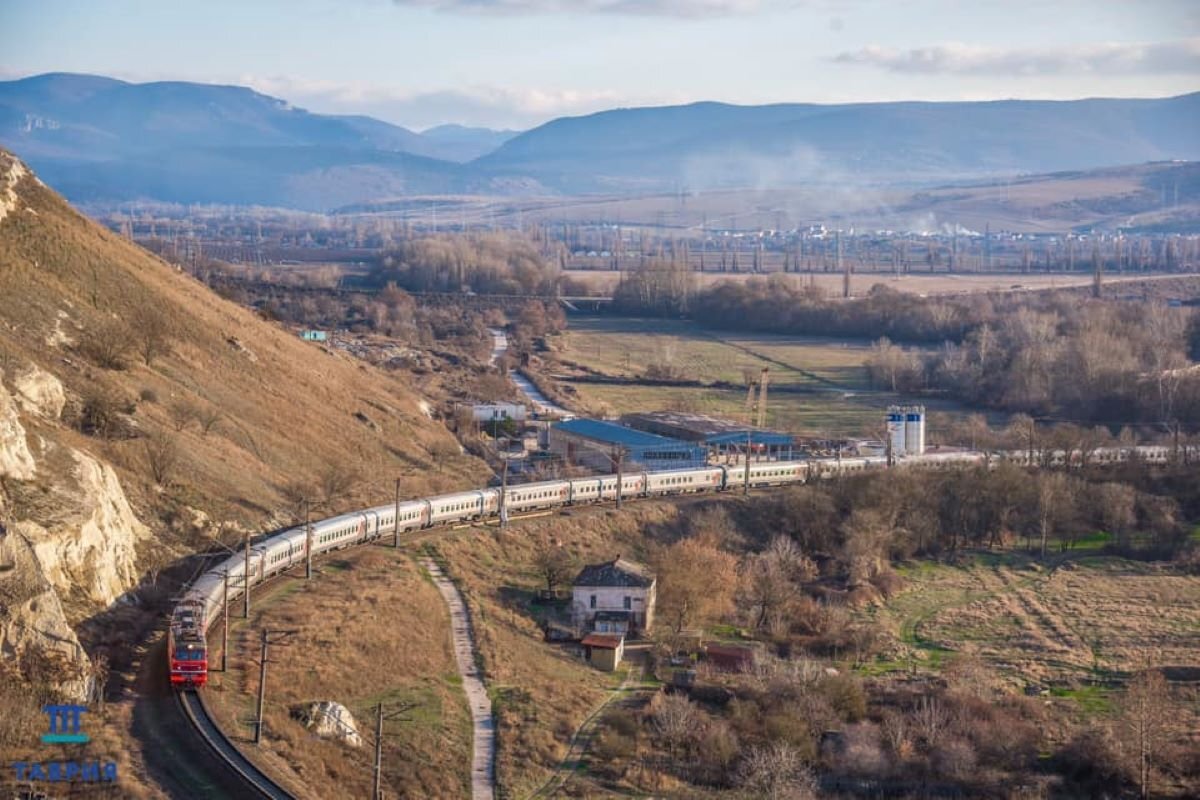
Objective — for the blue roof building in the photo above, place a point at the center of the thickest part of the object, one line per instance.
(596, 444)
(721, 436)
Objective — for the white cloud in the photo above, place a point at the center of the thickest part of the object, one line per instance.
(650, 8)
(488, 106)
(1181, 56)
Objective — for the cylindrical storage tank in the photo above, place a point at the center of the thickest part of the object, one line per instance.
(914, 430)
(895, 431)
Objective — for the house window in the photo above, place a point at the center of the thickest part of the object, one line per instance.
(593, 601)
(628, 602)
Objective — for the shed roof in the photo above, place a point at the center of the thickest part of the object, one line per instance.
(612, 433)
(702, 428)
(602, 640)
(617, 572)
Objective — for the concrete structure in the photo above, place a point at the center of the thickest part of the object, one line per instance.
(604, 651)
(914, 430)
(617, 594)
(597, 444)
(906, 430)
(490, 412)
(313, 336)
(721, 436)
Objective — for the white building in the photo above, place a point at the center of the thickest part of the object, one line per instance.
(614, 597)
(488, 412)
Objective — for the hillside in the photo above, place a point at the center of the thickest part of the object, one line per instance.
(141, 416)
(713, 145)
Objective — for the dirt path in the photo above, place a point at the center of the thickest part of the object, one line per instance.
(582, 740)
(483, 762)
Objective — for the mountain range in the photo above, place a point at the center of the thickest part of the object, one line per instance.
(100, 140)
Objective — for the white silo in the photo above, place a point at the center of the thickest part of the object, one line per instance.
(914, 430)
(895, 430)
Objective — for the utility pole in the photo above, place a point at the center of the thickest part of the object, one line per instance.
(376, 794)
(503, 510)
(746, 474)
(620, 458)
(266, 641)
(246, 581)
(308, 548)
(380, 718)
(396, 529)
(225, 627)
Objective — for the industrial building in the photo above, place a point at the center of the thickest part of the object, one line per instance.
(906, 430)
(721, 437)
(597, 444)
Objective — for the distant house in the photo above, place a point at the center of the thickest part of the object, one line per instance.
(604, 651)
(313, 336)
(614, 597)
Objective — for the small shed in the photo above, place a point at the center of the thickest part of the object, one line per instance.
(604, 651)
(730, 658)
(313, 336)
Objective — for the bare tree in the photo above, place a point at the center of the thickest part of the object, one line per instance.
(108, 345)
(769, 579)
(676, 721)
(931, 720)
(335, 481)
(1147, 714)
(152, 329)
(183, 413)
(554, 564)
(696, 582)
(209, 417)
(162, 457)
(777, 772)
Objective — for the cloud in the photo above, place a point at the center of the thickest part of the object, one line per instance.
(488, 106)
(648, 8)
(1181, 56)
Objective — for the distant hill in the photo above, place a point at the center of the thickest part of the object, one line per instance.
(713, 145)
(98, 139)
(462, 143)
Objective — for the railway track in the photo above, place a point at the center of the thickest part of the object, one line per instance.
(256, 781)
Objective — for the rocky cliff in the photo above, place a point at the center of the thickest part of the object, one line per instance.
(70, 533)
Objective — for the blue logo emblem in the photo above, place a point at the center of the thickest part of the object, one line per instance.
(64, 725)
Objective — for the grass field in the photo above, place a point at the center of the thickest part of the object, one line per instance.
(1076, 627)
(370, 628)
(818, 387)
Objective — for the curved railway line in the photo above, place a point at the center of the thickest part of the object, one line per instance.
(257, 783)
(282, 551)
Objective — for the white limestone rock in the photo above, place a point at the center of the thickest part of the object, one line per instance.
(331, 720)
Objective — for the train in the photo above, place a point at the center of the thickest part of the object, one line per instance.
(187, 654)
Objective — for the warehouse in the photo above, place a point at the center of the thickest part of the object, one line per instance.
(597, 444)
(721, 437)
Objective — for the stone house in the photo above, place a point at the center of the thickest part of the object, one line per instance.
(614, 597)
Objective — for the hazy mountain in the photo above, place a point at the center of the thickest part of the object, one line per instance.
(708, 145)
(99, 139)
(463, 143)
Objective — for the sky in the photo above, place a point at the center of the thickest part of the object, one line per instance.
(517, 63)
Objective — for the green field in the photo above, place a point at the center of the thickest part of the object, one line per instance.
(818, 387)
